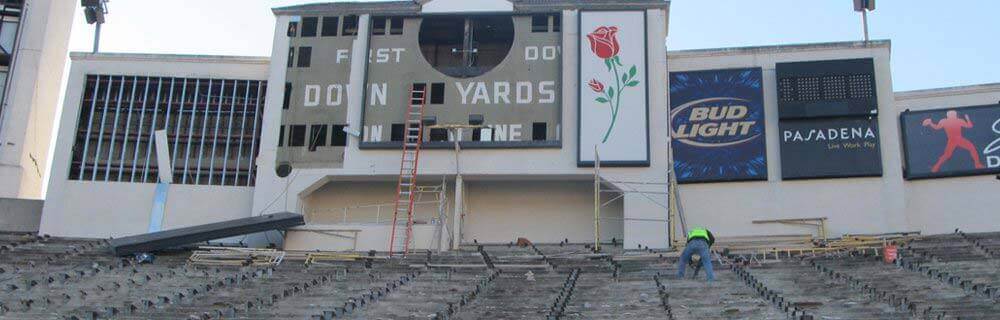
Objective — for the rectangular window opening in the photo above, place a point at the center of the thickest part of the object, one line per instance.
(291, 57)
(539, 131)
(339, 138)
(379, 25)
(309, 25)
(437, 93)
(439, 134)
(350, 25)
(293, 29)
(288, 95)
(297, 136)
(330, 26)
(281, 136)
(305, 57)
(317, 136)
(396, 25)
(540, 23)
(396, 133)
(417, 96)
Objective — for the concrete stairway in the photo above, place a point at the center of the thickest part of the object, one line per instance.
(949, 276)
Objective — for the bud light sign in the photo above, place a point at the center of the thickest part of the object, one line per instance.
(717, 125)
(951, 142)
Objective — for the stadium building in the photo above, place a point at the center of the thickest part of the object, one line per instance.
(522, 101)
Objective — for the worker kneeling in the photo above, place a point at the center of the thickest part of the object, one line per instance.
(699, 242)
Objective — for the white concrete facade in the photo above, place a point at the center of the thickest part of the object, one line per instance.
(31, 104)
(81, 208)
(540, 194)
(853, 205)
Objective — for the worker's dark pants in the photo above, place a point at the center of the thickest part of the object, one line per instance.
(699, 247)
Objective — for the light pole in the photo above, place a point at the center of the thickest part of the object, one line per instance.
(864, 6)
(94, 11)
(455, 130)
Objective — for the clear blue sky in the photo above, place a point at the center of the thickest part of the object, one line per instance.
(932, 45)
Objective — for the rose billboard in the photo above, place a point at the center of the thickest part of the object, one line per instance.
(951, 142)
(613, 111)
(717, 125)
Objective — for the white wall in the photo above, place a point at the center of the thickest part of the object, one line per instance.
(106, 209)
(853, 205)
(542, 211)
(942, 205)
(116, 209)
(32, 100)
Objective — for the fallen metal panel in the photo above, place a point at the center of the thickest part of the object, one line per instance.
(176, 237)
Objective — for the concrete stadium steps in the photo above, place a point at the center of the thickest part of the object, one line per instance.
(513, 296)
(601, 296)
(949, 276)
(728, 297)
(910, 291)
(326, 296)
(802, 286)
(425, 296)
(512, 258)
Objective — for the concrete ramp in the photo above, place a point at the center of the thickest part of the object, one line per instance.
(177, 237)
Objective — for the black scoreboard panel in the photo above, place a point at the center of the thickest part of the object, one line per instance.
(503, 68)
(832, 88)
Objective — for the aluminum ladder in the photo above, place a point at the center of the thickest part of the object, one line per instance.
(402, 215)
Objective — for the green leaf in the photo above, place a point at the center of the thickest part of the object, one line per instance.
(618, 60)
(611, 93)
(631, 72)
(607, 62)
(601, 100)
(624, 78)
(632, 84)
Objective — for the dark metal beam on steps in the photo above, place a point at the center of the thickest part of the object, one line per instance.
(150, 242)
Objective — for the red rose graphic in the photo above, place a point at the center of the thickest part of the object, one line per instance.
(595, 85)
(604, 42)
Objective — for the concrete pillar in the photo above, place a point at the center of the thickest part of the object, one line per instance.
(456, 219)
(355, 96)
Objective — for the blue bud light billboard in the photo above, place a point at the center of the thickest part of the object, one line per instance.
(951, 142)
(717, 125)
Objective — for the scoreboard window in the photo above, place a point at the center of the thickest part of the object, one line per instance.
(539, 131)
(297, 135)
(281, 136)
(379, 25)
(829, 88)
(339, 138)
(437, 93)
(305, 57)
(396, 25)
(350, 25)
(330, 26)
(293, 29)
(288, 95)
(396, 132)
(309, 25)
(439, 134)
(317, 136)
(540, 23)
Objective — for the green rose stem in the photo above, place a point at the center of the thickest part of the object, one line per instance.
(615, 105)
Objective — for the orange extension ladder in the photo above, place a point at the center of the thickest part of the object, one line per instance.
(402, 215)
